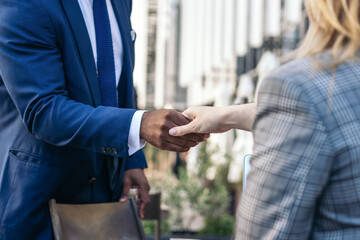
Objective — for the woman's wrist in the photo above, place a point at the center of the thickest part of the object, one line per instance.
(239, 116)
(228, 116)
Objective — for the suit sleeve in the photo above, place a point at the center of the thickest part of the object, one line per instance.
(290, 166)
(137, 160)
(32, 71)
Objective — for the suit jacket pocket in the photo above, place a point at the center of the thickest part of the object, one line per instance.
(32, 158)
(27, 183)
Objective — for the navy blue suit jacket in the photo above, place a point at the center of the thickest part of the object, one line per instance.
(53, 129)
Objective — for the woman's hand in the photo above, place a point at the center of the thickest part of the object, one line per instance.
(203, 120)
(216, 119)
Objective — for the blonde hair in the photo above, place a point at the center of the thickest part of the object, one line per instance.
(335, 26)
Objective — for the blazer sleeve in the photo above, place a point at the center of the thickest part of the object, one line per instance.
(290, 165)
(32, 71)
(137, 160)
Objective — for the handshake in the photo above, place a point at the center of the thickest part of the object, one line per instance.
(174, 131)
(155, 129)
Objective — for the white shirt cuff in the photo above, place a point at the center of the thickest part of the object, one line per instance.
(134, 141)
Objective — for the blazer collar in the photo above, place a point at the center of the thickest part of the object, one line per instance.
(122, 14)
(77, 23)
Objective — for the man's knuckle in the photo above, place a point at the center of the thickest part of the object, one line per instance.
(181, 149)
(163, 128)
(172, 148)
(191, 137)
(162, 145)
(184, 144)
(163, 137)
(197, 138)
(168, 114)
(126, 181)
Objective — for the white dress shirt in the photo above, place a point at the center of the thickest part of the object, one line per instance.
(134, 141)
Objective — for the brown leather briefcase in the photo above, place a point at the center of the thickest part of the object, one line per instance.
(106, 221)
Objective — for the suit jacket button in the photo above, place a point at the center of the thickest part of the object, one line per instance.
(103, 149)
(108, 150)
(93, 179)
(115, 151)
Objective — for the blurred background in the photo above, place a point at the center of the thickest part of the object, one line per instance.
(215, 53)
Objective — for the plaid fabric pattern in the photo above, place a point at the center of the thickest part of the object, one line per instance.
(305, 176)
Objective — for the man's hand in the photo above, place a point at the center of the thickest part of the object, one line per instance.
(155, 128)
(135, 178)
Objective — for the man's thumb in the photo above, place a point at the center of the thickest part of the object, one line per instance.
(125, 193)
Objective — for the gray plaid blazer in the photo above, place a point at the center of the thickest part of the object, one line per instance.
(305, 176)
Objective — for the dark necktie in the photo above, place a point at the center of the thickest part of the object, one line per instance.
(105, 54)
(106, 75)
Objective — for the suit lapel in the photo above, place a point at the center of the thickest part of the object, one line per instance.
(75, 17)
(122, 14)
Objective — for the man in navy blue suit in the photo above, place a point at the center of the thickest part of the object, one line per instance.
(68, 129)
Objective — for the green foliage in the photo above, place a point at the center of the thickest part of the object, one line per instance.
(213, 202)
(175, 199)
(209, 199)
(149, 227)
(204, 160)
(218, 226)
